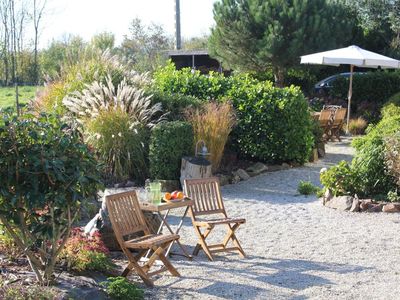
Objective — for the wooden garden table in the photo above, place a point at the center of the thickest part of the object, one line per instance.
(166, 207)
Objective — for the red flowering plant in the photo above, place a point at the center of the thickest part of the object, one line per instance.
(83, 253)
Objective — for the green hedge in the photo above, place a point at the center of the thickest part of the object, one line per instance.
(273, 124)
(375, 87)
(169, 142)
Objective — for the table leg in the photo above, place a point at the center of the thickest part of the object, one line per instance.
(163, 221)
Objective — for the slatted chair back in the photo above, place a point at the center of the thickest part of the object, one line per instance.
(325, 118)
(339, 117)
(206, 194)
(125, 215)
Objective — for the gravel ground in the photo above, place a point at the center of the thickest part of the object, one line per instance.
(296, 248)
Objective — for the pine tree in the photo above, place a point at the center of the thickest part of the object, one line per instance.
(255, 35)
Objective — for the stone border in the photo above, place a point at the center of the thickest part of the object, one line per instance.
(353, 204)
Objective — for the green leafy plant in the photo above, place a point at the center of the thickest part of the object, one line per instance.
(8, 246)
(339, 179)
(213, 123)
(307, 188)
(82, 253)
(169, 142)
(116, 123)
(46, 172)
(119, 288)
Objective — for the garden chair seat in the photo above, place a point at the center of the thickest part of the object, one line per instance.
(147, 241)
(206, 195)
(212, 222)
(127, 219)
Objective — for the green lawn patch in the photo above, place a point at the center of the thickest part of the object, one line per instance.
(7, 95)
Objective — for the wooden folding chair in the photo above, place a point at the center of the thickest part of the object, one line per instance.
(337, 124)
(208, 202)
(127, 219)
(325, 121)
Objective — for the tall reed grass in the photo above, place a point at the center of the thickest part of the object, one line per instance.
(358, 126)
(213, 123)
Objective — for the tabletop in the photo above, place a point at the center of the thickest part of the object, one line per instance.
(146, 206)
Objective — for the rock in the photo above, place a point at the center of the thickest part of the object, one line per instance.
(274, 168)
(321, 149)
(314, 155)
(355, 207)
(364, 204)
(170, 185)
(130, 183)
(242, 174)
(223, 179)
(256, 169)
(286, 166)
(235, 179)
(375, 207)
(391, 207)
(327, 196)
(340, 203)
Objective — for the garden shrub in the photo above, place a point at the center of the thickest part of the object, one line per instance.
(169, 142)
(367, 175)
(8, 246)
(213, 123)
(274, 124)
(46, 172)
(119, 288)
(174, 105)
(116, 124)
(261, 108)
(84, 253)
(307, 188)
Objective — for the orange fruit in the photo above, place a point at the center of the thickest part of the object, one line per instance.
(167, 196)
(179, 195)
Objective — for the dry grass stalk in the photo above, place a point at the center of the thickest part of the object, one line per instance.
(357, 126)
(213, 123)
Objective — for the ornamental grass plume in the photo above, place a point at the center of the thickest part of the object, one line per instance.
(213, 123)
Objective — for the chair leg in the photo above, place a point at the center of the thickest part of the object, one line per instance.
(231, 236)
(160, 253)
(198, 246)
(133, 265)
(202, 241)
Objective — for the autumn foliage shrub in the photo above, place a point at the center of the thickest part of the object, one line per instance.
(83, 253)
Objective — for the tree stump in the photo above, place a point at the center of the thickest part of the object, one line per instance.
(195, 167)
(101, 223)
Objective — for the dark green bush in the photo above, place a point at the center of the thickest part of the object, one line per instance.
(370, 91)
(273, 124)
(174, 104)
(169, 142)
(340, 179)
(119, 288)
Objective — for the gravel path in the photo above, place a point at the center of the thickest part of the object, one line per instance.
(297, 249)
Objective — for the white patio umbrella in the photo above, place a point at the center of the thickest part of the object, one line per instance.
(353, 56)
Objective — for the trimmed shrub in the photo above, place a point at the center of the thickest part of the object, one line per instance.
(213, 123)
(340, 179)
(174, 105)
(274, 124)
(169, 142)
(372, 88)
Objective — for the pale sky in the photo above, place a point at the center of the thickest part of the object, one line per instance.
(88, 17)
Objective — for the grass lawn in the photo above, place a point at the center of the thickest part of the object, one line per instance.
(7, 95)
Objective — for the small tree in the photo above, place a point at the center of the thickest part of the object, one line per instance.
(46, 172)
(254, 35)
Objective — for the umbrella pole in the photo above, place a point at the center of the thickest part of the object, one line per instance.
(349, 98)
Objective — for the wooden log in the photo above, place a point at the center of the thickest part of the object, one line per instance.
(195, 167)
